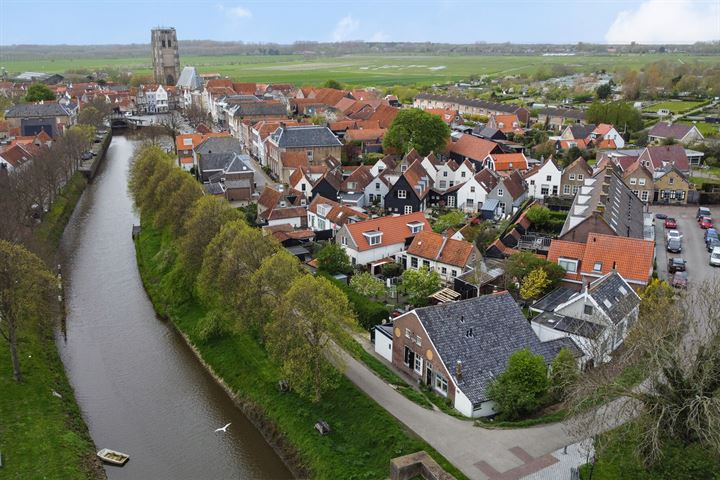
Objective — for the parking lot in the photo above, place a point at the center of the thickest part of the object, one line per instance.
(693, 244)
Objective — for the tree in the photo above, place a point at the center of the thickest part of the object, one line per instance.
(38, 92)
(179, 191)
(418, 129)
(563, 373)
(534, 284)
(519, 265)
(420, 284)
(312, 316)
(334, 84)
(366, 284)
(603, 91)
(27, 297)
(453, 218)
(333, 259)
(539, 215)
(521, 388)
(486, 234)
(620, 114)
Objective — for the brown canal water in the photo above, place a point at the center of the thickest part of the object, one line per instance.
(140, 387)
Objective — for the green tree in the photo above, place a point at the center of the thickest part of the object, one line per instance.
(521, 388)
(311, 316)
(534, 284)
(418, 129)
(486, 234)
(563, 373)
(366, 284)
(38, 92)
(453, 218)
(539, 215)
(519, 265)
(603, 91)
(27, 297)
(620, 114)
(334, 84)
(333, 259)
(420, 284)
(178, 192)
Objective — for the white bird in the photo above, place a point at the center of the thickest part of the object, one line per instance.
(222, 429)
(56, 394)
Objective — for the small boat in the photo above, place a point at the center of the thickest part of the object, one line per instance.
(111, 456)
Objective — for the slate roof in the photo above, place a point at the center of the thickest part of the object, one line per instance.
(493, 106)
(614, 296)
(218, 145)
(482, 333)
(549, 302)
(670, 130)
(575, 326)
(304, 136)
(563, 112)
(37, 110)
(215, 188)
(216, 161)
(255, 108)
(189, 79)
(581, 132)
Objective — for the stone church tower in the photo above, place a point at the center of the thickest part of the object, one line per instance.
(166, 59)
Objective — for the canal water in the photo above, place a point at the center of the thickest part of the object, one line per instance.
(140, 388)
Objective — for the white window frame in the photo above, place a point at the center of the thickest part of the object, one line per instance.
(501, 192)
(402, 194)
(572, 176)
(408, 209)
(641, 181)
(570, 265)
(418, 364)
(633, 181)
(645, 196)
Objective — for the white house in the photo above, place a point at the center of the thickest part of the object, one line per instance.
(472, 194)
(376, 190)
(450, 174)
(439, 253)
(326, 214)
(605, 133)
(597, 318)
(377, 241)
(544, 180)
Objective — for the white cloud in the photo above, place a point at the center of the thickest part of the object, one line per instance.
(380, 37)
(344, 28)
(663, 21)
(235, 12)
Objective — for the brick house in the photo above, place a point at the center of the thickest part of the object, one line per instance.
(316, 142)
(573, 176)
(671, 188)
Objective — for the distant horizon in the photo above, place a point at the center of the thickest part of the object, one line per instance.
(552, 22)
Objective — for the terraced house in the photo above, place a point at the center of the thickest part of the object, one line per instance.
(314, 143)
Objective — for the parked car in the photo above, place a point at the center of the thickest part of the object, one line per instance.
(679, 280)
(676, 264)
(670, 234)
(710, 233)
(86, 155)
(714, 242)
(674, 244)
(706, 222)
(702, 212)
(660, 216)
(670, 223)
(715, 257)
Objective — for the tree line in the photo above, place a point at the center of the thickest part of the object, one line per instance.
(246, 281)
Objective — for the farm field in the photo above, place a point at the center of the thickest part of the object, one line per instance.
(354, 69)
(679, 106)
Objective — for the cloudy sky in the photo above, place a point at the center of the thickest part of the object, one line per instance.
(285, 21)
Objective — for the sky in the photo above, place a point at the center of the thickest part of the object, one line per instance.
(285, 21)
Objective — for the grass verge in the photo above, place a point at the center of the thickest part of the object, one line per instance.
(364, 438)
(554, 417)
(53, 224)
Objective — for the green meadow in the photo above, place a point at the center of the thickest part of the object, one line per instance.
(356, 69)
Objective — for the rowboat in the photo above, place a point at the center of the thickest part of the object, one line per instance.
(111, 456)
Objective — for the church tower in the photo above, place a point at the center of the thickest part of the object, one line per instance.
(166, 59)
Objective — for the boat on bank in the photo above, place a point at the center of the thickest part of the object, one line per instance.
(113, 457)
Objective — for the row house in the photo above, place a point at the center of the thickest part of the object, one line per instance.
(32, 118)
(574, 175)
(272, 199)
(439, 253)
(352, 189)
(471, 195)
(558, 118)
(544, 180)
(314, 142)
(451, 173)
(325, 214)
(248, 111)
(505, 163)
(409, 193)
(470, 106)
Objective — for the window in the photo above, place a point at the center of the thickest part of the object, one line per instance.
(597, 267)
(671, 180)
(568, 264)
(544, 190)
(532, 182)
(633, 181)
(418, 364)
(454, 273)
(581, 177)
(444, 270)
(403, 168)
(408, 209)
(441, 385)
(641, 181)
(472, 189)
(414, 262)
(377, 185)
(566, 189)
(575, 189)
(572, 176)
(415, 227)
(302, 187)
(645, 196)
(408, 334)
(443, 184)
(588, 309)
(426, 264)
(501, 192)
(375, 240)
(451, 201)
(470, 202)
(444, 174)
(501, 207)
(402, 193)
(462, 174)
(344, 240)
(548, 178)
(418, 341)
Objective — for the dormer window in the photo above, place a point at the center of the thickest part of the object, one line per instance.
(415, 227)
(323, 209)
(373, 237)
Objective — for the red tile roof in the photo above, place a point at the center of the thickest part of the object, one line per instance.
(507, 162)
(394, 229)
(295, 159)
(473, 147)
(434, 246)
(365, 135)
(338, 214)
(194, 138)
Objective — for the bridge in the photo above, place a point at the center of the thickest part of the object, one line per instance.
(120, 121)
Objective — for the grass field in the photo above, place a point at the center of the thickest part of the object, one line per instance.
(707, 129)
(364, 438)
(679, 106)
(355, 69)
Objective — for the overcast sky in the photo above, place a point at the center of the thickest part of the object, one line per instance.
(286, 21)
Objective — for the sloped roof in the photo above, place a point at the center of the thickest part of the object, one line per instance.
(670, 130)
(514, 184)
(305, 136)
(486, 179)
(394, 229)
(286, 212)
(215, 144)
(384, 115)
(195, 139)
(361, 176)
(479, 335)
(472, 147)
(37, 110)
(294, 159)
(338, 214)
(663, 155)
(581, 163)
(506, 162)
(614, 296)
(434, 246)
(418, 179)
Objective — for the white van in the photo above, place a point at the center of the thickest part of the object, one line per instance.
(715, 257)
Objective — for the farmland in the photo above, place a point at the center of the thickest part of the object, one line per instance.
(676, 107)
(354, 69)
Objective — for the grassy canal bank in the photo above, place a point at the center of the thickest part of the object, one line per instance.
(43, 435)
(364, 437)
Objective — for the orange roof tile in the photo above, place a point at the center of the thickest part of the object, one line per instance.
(394, 229)
(295, 159)
(364, 135)
(507, 162)
(473, 147)
(434, 246)
(188, 141)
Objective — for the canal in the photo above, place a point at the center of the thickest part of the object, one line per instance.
(140, 388)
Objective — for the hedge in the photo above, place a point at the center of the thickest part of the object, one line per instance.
(369, 313)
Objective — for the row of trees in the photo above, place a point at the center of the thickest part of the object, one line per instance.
(245, 280)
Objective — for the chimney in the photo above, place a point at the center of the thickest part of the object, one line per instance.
(458, 369)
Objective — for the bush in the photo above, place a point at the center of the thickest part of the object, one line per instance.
(368, 312)
(522, 387)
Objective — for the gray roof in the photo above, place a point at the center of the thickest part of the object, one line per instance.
(614, 296)
(549, 302)
(189, 79)
(670, 130)
(482, 333)
(245, 108)
(219, 145)
(488, 133)
(242, 183)
(575, 326)
(214, 188)
(216, 161)
(37, 110)
(305, 136)
(490, 205)
(581, 131)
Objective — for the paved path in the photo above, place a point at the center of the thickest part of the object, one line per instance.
(480, 453)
